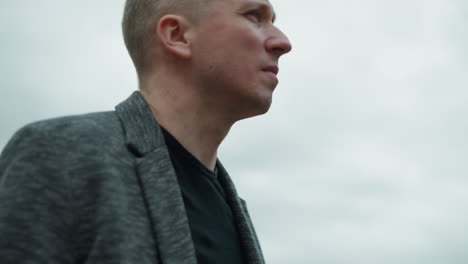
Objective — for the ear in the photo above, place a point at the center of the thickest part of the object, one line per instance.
(173, 32)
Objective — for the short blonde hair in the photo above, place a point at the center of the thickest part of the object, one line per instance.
(139, 23)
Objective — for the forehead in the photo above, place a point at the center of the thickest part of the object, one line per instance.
(264, 4)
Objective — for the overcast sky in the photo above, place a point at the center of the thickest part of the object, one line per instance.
(363, 155)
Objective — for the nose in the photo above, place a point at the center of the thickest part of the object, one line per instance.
(278, 43)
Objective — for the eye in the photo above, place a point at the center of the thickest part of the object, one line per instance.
(255, 16)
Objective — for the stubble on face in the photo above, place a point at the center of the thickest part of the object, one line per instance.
(230, 56)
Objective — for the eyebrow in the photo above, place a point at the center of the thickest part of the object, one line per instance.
(261, 5)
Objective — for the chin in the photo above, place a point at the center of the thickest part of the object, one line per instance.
(259, 109)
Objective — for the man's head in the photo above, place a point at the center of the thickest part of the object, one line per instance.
(227, 49)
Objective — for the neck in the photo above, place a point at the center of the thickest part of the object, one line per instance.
(188, 117)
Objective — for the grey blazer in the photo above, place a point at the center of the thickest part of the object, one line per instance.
(100, 188)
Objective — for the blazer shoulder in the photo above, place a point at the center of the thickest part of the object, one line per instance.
(45, 173)
(81, 136)
(85, 125)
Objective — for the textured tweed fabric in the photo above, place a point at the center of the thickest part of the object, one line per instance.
(100, 188)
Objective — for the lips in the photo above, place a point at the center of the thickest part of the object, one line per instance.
(273, 69)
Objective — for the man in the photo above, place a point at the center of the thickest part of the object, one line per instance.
(142, 184)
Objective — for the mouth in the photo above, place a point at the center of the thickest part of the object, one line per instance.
(273, 69)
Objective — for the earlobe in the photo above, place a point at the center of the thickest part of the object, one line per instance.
(172, 32)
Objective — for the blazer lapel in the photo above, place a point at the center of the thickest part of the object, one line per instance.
(158, 181)
(252, 251)
(165, 205)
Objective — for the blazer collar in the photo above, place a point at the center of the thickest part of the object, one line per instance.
(251, 247)
(158, 182)
(161, 190)
(142, 132)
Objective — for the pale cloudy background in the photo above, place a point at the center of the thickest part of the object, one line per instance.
(363, 156)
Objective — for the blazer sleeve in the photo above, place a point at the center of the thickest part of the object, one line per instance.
(35, 213)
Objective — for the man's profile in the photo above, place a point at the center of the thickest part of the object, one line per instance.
(143, 184)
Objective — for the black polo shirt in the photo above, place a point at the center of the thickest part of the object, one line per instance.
(212, 225)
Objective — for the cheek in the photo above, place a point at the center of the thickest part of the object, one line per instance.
(236, 36)
(230, 51)
(249, 39)
(241, 51)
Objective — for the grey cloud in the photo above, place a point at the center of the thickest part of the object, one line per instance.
(362, 158)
